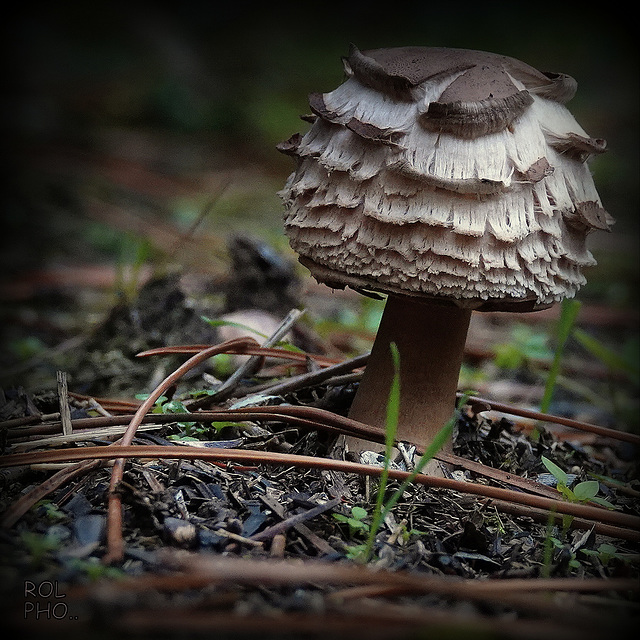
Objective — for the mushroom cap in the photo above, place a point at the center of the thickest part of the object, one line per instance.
(451, 174)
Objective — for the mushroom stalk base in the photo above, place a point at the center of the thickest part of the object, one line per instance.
(430, 339)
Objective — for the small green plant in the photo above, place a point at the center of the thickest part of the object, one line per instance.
(191, 430)
(524, 347)
(164, 406)
(157, 407)
(27, 347)
(356, 521)
(572, 562)
(95, 570)
(39, 545)
(568, 314)
(527, 347)
(626, 363)
(49, 510)
(582, 492)
(134, 253)
(391, 427)
(605, 553)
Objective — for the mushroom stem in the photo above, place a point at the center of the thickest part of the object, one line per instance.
(430, 339)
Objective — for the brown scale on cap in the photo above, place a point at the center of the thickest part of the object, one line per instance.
(451, 180)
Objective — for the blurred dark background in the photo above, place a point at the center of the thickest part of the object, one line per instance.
(127, 124)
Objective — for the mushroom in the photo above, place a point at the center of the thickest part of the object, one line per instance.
(452, 181)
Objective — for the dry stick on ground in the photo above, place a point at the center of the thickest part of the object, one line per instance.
(115, 544)
(253, 364)
(269, 532)
(483, 404)
(195, 571)
(221, 570)
(309, 417)
(63, 399)
(628, 526)
(319, 543)
(21, 506)
(19, 425)
(362, 621)
(543, 516)
(314, 418)
(303, 380)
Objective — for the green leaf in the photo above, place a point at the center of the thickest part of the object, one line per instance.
(144, 396)
(359, 513)
(181, 438)
(586, 490)
(355, 523)
(174, 406)
(567, 493)
(603, 503)
(524, 345)
(508, 356)
(607, 548)
(229, 323)
(358, 552)
(198, 393)
(222, 424)
(557, 472)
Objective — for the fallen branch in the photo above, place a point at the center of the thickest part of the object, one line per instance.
(282, 526)
(483, 404)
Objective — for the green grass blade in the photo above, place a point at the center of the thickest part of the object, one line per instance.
(612, 360)
(391, 428)
(438, 442)
(568, 315)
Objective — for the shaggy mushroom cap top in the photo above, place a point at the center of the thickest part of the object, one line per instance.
(450, 174)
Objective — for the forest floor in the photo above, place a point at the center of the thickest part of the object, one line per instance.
(240, 519)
